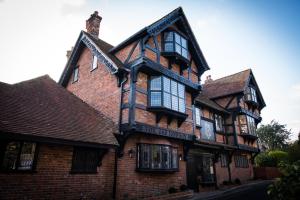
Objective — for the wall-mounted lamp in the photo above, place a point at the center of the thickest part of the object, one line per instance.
(131, 152)
(180, 157)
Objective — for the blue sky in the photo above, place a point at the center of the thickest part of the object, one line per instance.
(263, 35)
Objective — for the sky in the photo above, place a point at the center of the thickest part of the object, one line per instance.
(234, 35)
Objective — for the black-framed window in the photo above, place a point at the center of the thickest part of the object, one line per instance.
(207, 130)
(219, 121)
(224, 160)
(94, 63)
(241, 161)
(173, 42)
(198, 115)
(157, 157)
(250, 94)
(75, 74)
(85, 160)
(247, 125)
(167, 93)
(17, 156)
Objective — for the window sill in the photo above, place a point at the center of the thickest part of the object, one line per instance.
(157, 170)
(176, 56)
(93, 69)
(167, 111)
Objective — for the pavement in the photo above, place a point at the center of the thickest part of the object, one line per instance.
(252, 190)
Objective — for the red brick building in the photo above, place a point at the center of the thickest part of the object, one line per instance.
(171, 130)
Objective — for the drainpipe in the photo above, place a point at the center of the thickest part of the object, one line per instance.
(116, 149)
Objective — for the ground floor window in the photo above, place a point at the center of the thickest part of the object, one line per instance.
(224, 160)
(241, 161)
(85, 160)
(157, 157)
(17, 155)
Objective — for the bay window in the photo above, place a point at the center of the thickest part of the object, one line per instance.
(157, 157)
(219, 123)
(250, 95)
(207, 130)
(173, 42)
(167, 93)
(247, 125)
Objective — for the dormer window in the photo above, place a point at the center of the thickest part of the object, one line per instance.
(250, 95)
(175, 43)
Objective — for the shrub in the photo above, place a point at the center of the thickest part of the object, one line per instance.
(172, 190)
(264, 160)
(279, 156)
(294, 152)
(286, 187)
(183, 187)
(237, 181)
(225, 183)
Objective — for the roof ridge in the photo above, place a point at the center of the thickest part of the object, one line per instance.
(97, 38)
(227, 76)
(34, 79)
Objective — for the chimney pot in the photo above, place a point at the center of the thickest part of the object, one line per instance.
(208, 79)
(93, 24)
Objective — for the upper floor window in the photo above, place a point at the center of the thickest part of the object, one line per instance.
(95, 62)
(198, 116)
(247, 124)
(219, 123)
(250, 94)
(207, 130)
(173, 42)
(157, 157)
(17, 156)
(75, 74)
(167, 93)
(85, 160)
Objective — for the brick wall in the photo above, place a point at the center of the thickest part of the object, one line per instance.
(52, 179)
(132, 184)
(243, 174)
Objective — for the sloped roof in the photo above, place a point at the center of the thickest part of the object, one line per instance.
(43, 109)
(227, 85)
(201, 99)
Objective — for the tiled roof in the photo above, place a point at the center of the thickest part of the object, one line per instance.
(227, 85)
(43, 109)
(201, 99)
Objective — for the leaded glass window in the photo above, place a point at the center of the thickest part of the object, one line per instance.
(173, 42)
(219, 123)
(207, 130)
(250, 94)
(198, 116)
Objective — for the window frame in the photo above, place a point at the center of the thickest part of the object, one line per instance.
(213, 128)
(198, 123)
(219, 119)
(241, 161)
(34, 160)
(162, 92)
(94, 63)
(250, 94)
(150, 168)
(174, 43)
(250, 123)
(75, 71)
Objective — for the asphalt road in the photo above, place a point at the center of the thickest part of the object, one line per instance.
(254, 192)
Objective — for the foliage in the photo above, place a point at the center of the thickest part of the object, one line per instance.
(264, 160)
(294, 152)
(274, 135)
(279, 156)
(237, 181)
(288, 186)
(172, 190)
(183, 187)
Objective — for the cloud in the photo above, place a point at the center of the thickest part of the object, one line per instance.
(72, 6)
(296, 90)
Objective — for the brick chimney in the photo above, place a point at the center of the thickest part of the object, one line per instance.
(93, 24)
(208, 79)
(69, 52)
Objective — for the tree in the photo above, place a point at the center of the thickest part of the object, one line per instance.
(274, 135)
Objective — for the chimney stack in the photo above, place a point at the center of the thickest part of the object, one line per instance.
(69, 52)
(93, 24)
(208, 79)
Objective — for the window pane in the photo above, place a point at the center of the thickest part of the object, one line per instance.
(75, 75)
(168, 36)
(178, 48)
(198, 116)
(156, 157)
(174, 88)
(94, 66)
(180, 90)
(174, 159)
(166, 84)
(10, 156)
(219, 122)
(166, 157)
(155, 99)
(184, 53)
(169, 47)
(155, 83)
(183, 43)
(27, 156)
(145, 156)
(167, 100)
(207, 130)
(181, 105)
(174, 103)
(177, 39)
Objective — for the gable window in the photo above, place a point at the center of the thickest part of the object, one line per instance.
(173, 42)
(75, 74)
(157, 157)
(207, 130)
(167, 93)
(198, 116)
(247, 125)
(17, 155)
(219, 123)
(95, 62)
(85, 160)
(224, 160)
(250, 95)
(241, 161)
